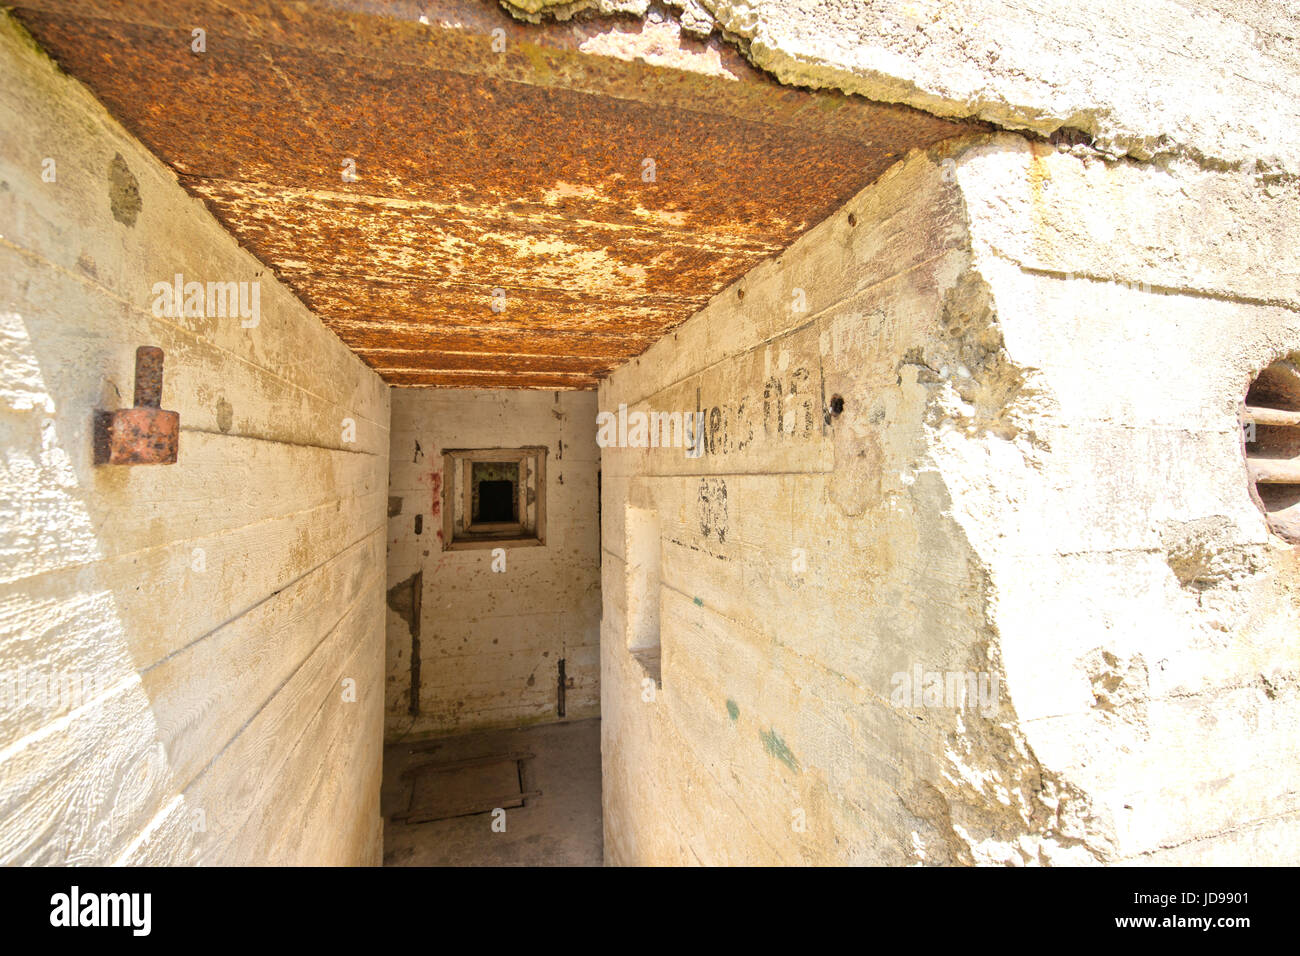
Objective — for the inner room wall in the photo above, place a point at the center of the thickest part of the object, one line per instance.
(491, 629)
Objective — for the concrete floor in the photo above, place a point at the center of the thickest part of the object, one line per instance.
(560, 827)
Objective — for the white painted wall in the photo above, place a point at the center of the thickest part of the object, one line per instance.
(208, 614)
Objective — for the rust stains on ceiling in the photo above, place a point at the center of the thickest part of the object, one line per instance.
(531, 205)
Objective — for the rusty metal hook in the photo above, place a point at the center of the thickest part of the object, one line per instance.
(146, 434)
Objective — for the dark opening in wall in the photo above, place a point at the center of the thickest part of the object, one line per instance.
(496, 501)
(494, 496)
(1271, 420)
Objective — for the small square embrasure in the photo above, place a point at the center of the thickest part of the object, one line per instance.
(494, 496)
(495, 492)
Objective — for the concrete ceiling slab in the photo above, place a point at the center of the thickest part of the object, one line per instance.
(532, 205)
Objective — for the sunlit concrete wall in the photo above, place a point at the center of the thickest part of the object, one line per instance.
(1014, 602)
(191, 655)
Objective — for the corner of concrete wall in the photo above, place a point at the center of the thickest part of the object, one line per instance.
(810, 558)
(1144, 616)
(1040, 355)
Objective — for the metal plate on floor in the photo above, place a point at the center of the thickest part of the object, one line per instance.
(440, 791)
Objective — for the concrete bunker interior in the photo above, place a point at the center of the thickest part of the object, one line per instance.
(704, 433)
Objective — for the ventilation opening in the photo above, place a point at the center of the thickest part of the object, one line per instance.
(494, 496)
(1271, 420)
(496, 491)
(644, 551)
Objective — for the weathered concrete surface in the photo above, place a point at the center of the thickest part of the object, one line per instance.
(1216, 81)
(1037, 476)
(467, 200)
(190, 654)
(1121, 513)
(492, 628)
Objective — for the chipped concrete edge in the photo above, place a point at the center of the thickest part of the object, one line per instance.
(1099, 126)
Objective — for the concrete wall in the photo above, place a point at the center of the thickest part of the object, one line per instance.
(191, 654)
(1147, 622)
(1215, 81)
(1033, 452)
(490, 641)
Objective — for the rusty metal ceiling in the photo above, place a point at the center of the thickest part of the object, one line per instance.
(505, 228)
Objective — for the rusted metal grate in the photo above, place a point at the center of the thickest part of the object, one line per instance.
(1271, 419)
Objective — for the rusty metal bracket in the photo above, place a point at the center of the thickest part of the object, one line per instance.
(145, 434)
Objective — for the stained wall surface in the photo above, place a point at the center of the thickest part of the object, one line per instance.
(191, 654)
(489, 629)
(1036, 484)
